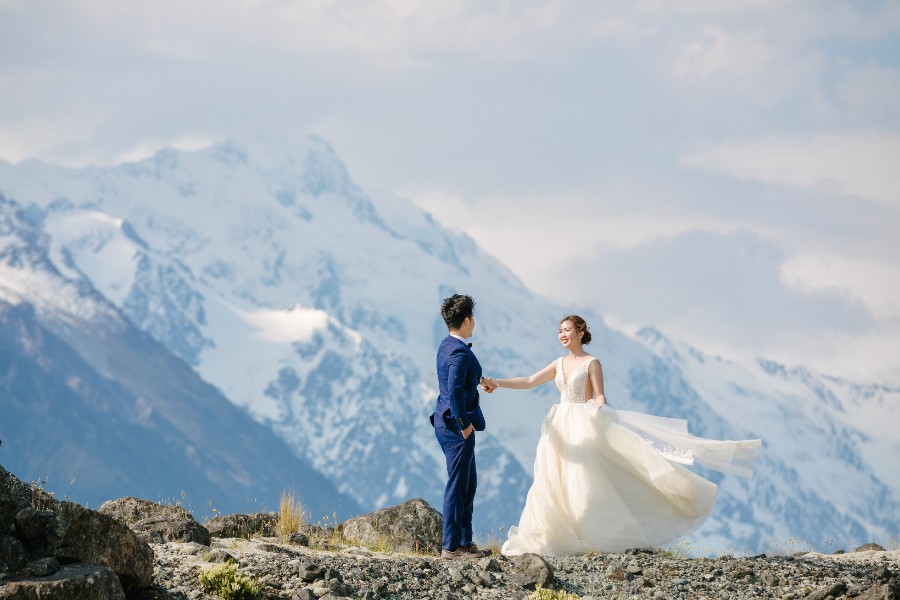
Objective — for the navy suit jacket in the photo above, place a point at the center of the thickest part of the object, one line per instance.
(459, 374)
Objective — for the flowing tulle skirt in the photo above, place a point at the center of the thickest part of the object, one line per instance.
(611, 480)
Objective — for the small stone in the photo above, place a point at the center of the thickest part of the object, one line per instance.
(679, 582)
(320, 591)
(616, 573)
(298, 539)
(530, 570)
(43, 567)
(191, 548)
(488, 563)
(468, 588)
(217, 555)
(309, 572)
(633, 569)
(882, 574)
(304, 594)
(834, 590)
(12, 554)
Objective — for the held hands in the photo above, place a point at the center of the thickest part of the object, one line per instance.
(488, 384)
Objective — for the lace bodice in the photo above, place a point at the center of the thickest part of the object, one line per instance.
(572, 385)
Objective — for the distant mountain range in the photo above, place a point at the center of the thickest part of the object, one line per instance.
(311, 304)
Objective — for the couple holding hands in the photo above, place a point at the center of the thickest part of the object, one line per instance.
(604, 479)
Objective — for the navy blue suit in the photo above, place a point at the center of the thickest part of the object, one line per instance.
(459, 374)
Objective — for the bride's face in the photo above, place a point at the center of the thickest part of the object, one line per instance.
(569, 337)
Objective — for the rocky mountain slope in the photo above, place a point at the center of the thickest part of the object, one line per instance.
(87, 398)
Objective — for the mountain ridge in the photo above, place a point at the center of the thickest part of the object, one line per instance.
(217, 253)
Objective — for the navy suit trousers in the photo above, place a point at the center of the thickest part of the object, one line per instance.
(459, 496)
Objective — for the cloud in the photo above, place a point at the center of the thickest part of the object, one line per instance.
(549, 127)
(726, 285)
(738, 295)
(854, 164)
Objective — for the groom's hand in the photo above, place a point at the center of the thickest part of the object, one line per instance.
(468, 431)
(488, 385)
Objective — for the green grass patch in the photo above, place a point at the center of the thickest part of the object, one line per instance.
(226, 582)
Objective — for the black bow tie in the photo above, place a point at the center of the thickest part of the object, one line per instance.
(469, 344)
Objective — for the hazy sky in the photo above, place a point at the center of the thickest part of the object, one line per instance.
(727, 171)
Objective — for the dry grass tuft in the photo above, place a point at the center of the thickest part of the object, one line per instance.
(292, 515)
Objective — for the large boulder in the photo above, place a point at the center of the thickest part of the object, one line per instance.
(67, 533)
(85, 582)
(80, 534)
(16, 495)
(413, 526)
(243, 526)
(156, 522)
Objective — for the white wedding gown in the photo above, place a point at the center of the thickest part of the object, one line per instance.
(610, 480)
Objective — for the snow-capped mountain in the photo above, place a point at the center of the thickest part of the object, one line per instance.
(314, 304)
(90, 399)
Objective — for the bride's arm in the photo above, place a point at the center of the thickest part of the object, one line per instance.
(526, 383)
(595, 370)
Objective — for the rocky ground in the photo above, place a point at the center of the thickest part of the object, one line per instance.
(289, 570)
(134, 549)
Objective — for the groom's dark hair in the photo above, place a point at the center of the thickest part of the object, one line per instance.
(455, 309)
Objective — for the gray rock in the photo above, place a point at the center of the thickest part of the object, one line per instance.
(243, 526)
(530, 570)
(192, 548)
(80, 534)
(616, 573)
(882, 574)
(881, 591)
(43, 567)
(413, 526)
(84, 582)
(302, 594)
(833, 589)
(309, 572)
(16, 495)
(153, 592)
(13, 555)
(217, 555)
(298, 539)
(32, 527)
(171, 523)
(865, 547)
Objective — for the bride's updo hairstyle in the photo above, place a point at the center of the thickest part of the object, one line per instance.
(580, 325)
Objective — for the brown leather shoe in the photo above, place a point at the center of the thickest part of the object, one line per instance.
(461, 553)
(483, 551)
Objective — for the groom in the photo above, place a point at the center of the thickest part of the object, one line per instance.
(457, 415)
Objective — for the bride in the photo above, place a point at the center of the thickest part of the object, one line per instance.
(606, 479)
